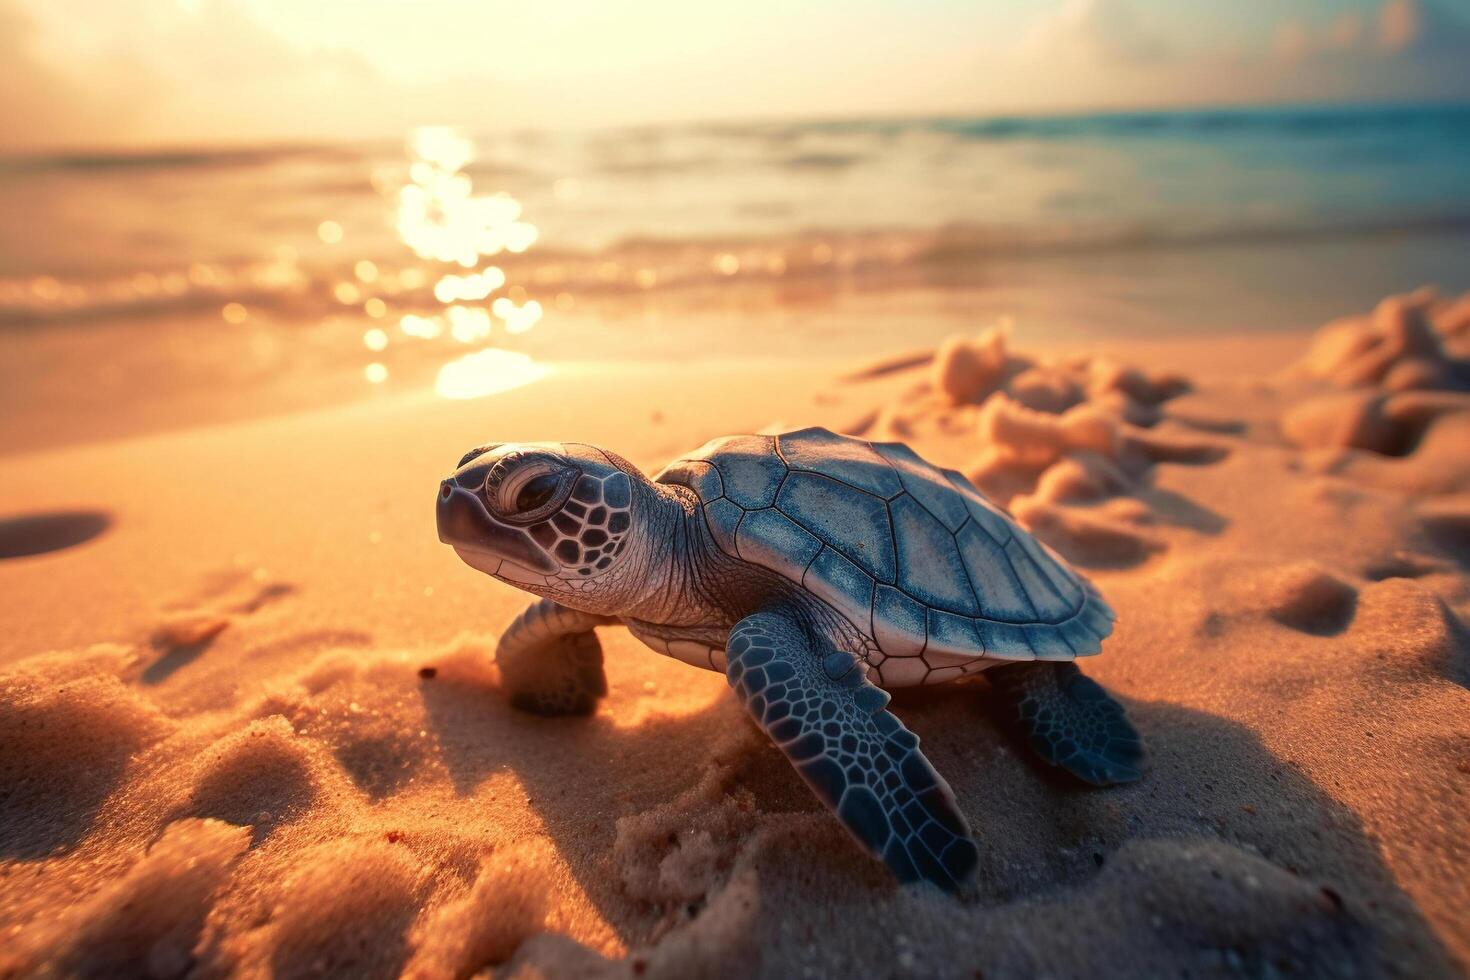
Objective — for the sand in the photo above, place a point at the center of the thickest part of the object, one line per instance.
(250, 722)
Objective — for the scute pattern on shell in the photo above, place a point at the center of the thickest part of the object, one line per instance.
(913, 555)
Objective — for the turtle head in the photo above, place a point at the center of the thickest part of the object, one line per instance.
(551, 518)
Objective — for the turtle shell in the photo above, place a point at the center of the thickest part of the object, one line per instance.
(913, 555)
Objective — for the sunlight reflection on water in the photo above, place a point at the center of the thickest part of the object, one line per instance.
(487, 372)
(442, 220)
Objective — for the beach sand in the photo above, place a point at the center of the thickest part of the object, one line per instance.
(250, 722)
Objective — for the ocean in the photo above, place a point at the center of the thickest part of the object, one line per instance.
(728, 239)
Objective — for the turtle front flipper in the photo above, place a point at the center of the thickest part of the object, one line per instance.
(1071, 721)
(859, 759)
(550, 660)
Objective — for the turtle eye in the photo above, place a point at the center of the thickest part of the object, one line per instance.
(536, 492)
(524, 490)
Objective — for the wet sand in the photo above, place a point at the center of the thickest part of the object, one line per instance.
(252, 724)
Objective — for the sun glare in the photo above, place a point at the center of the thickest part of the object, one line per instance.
(487, 372)
(451, 231)
(439, 215)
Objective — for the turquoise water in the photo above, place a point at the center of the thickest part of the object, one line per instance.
(656, 208)
(149, 290)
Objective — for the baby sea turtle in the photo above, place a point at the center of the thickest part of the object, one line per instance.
(812, 570)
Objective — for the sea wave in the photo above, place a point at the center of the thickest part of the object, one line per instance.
(644, 149)
(91, 235)
(105, 162)
(295, 288)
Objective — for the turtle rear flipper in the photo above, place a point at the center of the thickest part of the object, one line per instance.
(1071, 721)
(856, 756)
(550, 660)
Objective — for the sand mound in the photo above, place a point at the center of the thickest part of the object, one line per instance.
(338, 706)
(143, 923)
(69, 729)
(1083, 537)
(1413, 631)
(967, 369)
(262, 776)
(1411, 341)
(342, 909)
(1053, 439)
(1408, 368)
(509, 902)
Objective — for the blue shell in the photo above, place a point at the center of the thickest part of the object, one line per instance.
(913, 555)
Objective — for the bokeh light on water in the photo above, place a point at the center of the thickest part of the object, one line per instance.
(239, 281)
(438, 215)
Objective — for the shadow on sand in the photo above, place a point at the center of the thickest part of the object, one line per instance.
(1046, 842)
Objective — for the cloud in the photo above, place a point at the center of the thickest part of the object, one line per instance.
(161, 74)
(1096, 32)
(1411, 27)
(186, 81)
(1397, 29)
(80, 72)
(1108, 53)
(39, 104)
(1404, 49)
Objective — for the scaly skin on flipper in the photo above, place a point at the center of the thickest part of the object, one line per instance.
(550, 660)
(856, 756)
(1072, 722)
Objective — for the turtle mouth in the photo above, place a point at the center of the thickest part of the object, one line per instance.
(466, 525)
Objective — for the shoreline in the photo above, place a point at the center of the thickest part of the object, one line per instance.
(84, 383)
(346, 390)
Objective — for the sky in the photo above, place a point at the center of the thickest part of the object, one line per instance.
(201, 72)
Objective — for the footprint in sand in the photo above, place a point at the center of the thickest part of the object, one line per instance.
(191, 623)
(1406, 564)
(1446, 523)
(1308, 598)
(41, 534)
(1392, 625)
(1299, 595)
